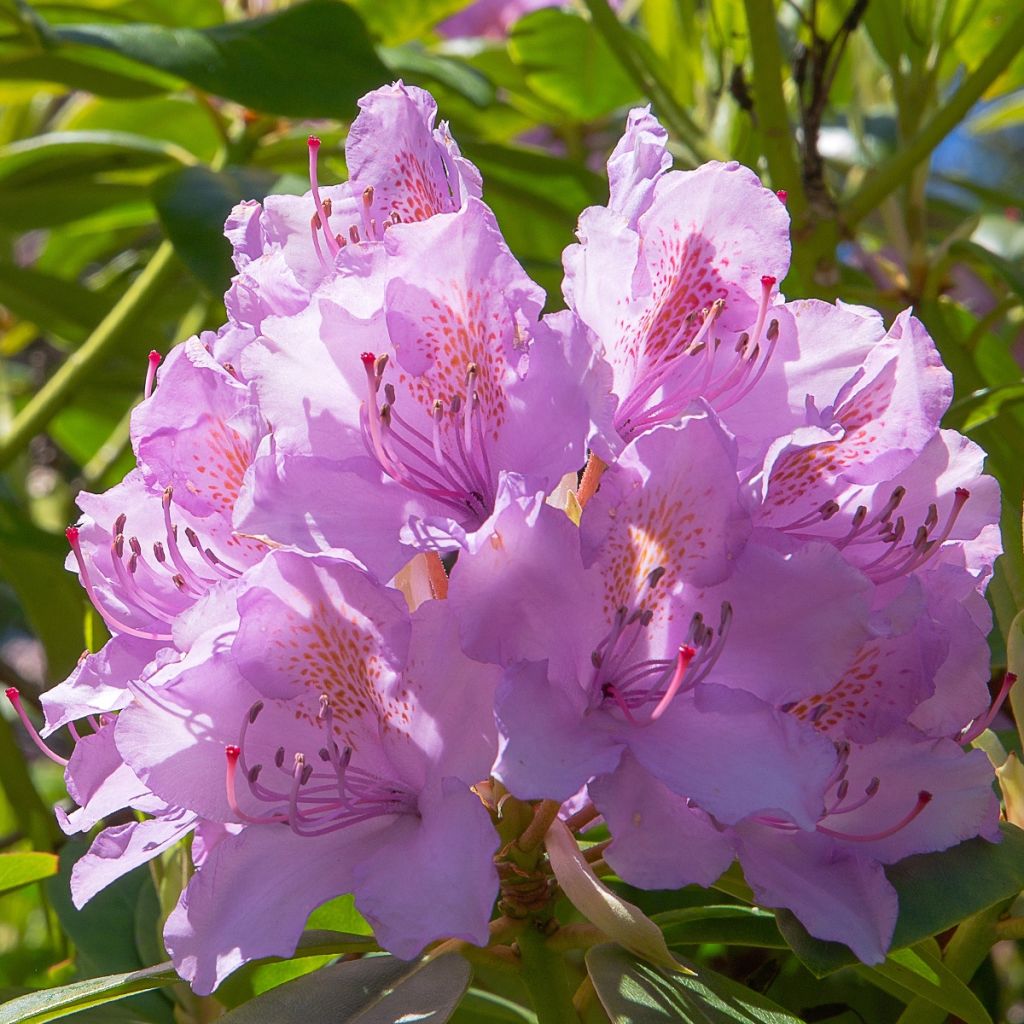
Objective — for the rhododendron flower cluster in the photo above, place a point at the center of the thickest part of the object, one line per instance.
(357, 589)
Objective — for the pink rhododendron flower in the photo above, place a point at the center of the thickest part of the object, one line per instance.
(352, 732)
(763, 638)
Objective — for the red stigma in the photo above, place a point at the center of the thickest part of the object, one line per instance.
(12, 693)
(368, 359)
(313, 142)
(924, 798)
(154, 357)
(1011, 678)
(72, 535)
(962, 493)
(768, 281)
(232, 752)
(782, 195)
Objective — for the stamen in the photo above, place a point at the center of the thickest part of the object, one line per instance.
(232, 752)
(686, 655)
(314, 148)
(14, 696)
(113, 622)
(924, 798)
(980, 724)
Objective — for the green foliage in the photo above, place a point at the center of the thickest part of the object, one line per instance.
(128, 129)
(631, 989)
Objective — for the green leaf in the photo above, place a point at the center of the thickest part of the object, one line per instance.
(96, 71)
(399, 21)
(53, 1003)
(728, 924)
(311, 60)
(633, 990)
(987, 403)
(375, 990)
(936, 891)
(31, 560)
(919, 972)
(193, 203)
(1008, 270)
(338, 915)
(66, 308)
(568, 64)
(52, 203)
(416, 63)
(18, 869)
(63, 156)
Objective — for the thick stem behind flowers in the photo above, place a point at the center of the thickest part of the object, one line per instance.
(544, 975)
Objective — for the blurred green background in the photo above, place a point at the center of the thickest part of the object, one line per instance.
(128, 129)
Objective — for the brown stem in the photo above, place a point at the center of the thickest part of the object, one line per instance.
(533, 834)
(595, 853)
(582, 818)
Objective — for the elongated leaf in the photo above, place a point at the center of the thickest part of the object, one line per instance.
(52, 203)
(936, 891)
(633, 990)
(32, 562)
(921, 973)
(62, 156)
(54, 1003)
(569, 65)
(18, 869)
(311, 60)
(398, 21)
(193, 203)
(52, 303)
(413, 62)
(731, 925)
(96, 71)
(376, 990)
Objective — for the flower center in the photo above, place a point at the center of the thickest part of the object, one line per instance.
(673, 375)
(312, 798)
(447, 460)
(624, 680)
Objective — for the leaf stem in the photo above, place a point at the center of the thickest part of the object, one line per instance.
(646, 77)
(59, 389)
(543, 972)
(889, 175)
(770, 103)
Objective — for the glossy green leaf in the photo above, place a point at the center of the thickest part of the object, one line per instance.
(64, 156)
(936, 891)
(728, 924)
(66, 308)
(96, 71)
(178, 120)
(311, 60)
(918, 972)
(398, 21)
(31, 561)
(374, 990)
(425, 68)
(54, 1003)
(193, 203)
(568, 64)
(52, 204)
(18, 869)
(633, 990)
